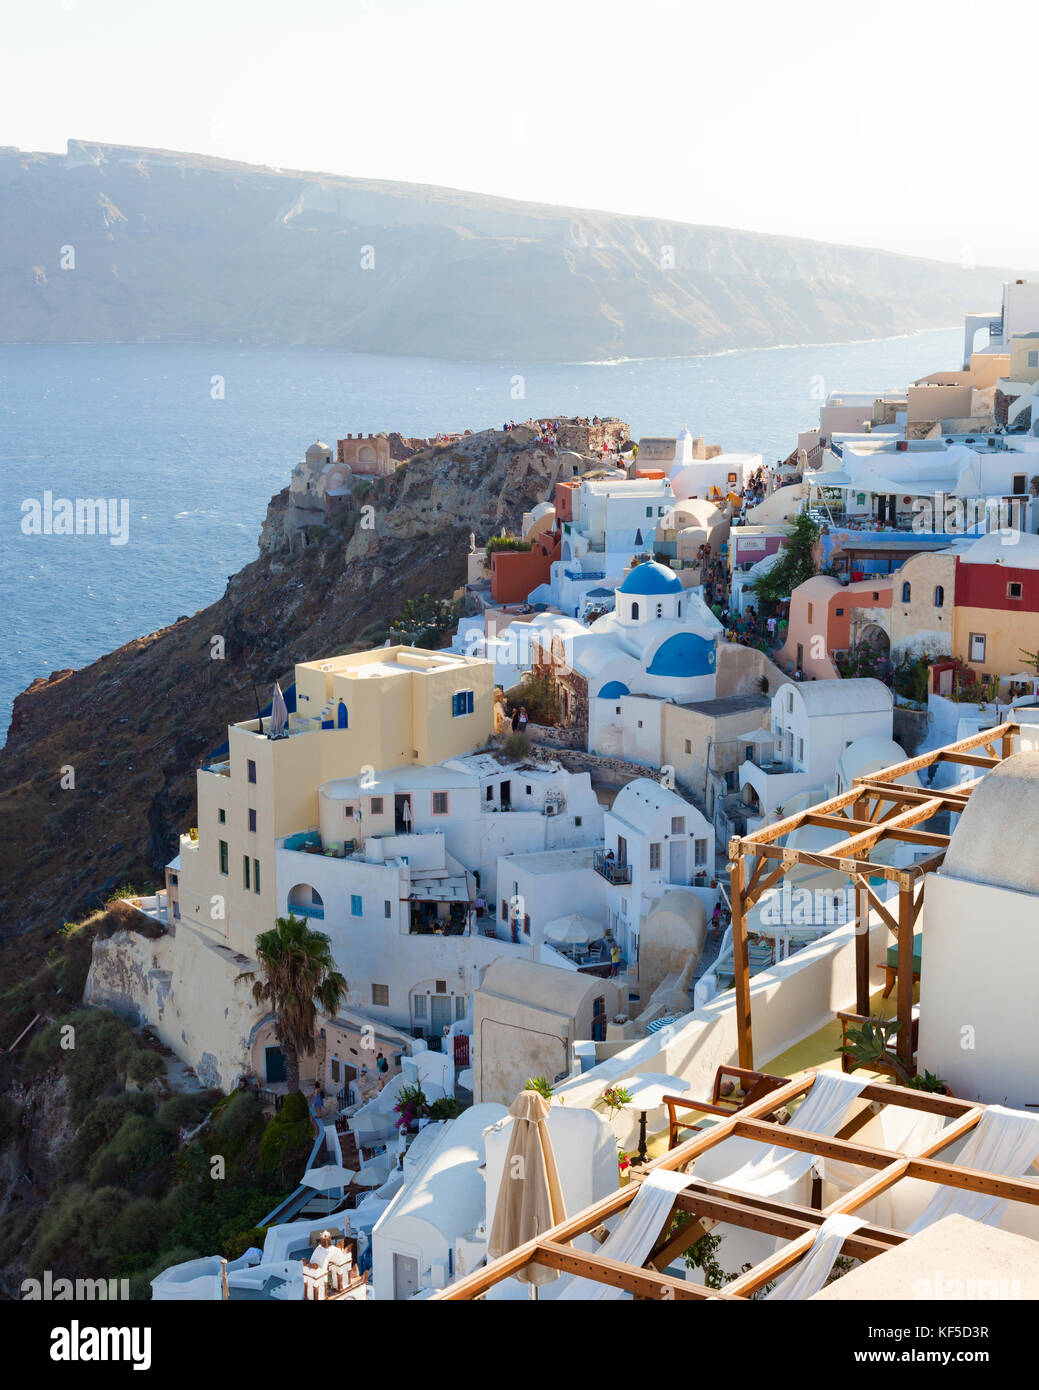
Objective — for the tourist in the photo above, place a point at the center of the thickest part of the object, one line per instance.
(515, 721)
(317, 1100)
(382, 1065)
(615, 960)
(716, 919)
(523, 719)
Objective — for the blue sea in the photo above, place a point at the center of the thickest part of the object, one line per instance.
(196, 439)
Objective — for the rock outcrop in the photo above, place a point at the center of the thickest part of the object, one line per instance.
(97, 778)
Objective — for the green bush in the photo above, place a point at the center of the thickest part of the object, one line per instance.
(517, 747)
(144, 1066)
(186, 1111)
(95, 1064)
(540, 698)
(140, 1143)
(446, 1108)
(293, 1108)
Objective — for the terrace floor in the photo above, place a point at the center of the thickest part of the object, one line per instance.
(819, 1050)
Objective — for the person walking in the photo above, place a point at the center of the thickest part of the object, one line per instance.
(615, 960)
(515, 721)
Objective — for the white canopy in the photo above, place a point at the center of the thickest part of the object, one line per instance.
(758, 737)
(328, 1177)
(573, 930)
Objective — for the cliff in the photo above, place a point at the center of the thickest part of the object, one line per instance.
(111, 243)
(134, 726)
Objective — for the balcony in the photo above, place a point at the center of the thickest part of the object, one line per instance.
(611, 869)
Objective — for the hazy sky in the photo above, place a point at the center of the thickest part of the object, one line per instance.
(902, 125)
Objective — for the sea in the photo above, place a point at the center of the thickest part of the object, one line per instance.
(187, 443)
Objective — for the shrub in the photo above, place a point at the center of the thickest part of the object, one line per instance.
(144, 1066)
(10, 1121)
(446, 1108)
(294, 1108)
(540, 698)
(186, 1111)
(517, 746)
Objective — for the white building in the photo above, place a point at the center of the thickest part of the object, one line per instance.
(402, 858)
(713, 478)
(813, 722)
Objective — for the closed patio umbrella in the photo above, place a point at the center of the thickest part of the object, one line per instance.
(573, 930)
(530, 1199)
(279, 723)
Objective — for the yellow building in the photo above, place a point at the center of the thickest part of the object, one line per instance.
(377, 709)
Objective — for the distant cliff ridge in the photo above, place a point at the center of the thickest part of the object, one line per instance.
(110, 243)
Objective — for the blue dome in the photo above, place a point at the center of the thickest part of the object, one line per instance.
(651, 578)
(613, 690)
(684, 655)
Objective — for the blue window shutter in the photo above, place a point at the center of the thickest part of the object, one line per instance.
(469, 702)
(356, 906)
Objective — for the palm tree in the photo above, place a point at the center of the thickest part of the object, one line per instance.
(298, 975)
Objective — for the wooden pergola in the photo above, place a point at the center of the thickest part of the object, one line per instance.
(875, 810)
(704, 1205)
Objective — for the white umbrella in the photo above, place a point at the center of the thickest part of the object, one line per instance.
(327, 1178)
(370, 1177)
(573, 930)
(1021, 678)
(758, 736)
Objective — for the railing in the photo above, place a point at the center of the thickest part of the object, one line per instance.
(610, 869)
(306, 910)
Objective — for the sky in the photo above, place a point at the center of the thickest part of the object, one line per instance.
(904, 126)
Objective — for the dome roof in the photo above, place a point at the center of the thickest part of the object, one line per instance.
(651, 578)
(983, 847)
(318, 450)
(683, 656)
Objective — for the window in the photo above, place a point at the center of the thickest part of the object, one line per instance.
(387, 908)
(440, 803)
(221, 816)
(678, 825)
(252, 771)
(381, 996)
(907, 591)
(252, 818)
(811, 609)
(223, 856)
(504, 910)
(459, 1006)
(679, 608)
(654, 856)
(461, 703)
(634, 610)
(649, 511)
(661, 511)
(699, 853)
(348, 812)
(689, 745)
(839, 612)
(789, 702)
(256, 875)
(939, 596)
(245, 870)
(1033, 358)
(977, 646)
(489, 796)
(530, 791)
(420, 1007)
(578, 820)
(375, 806)
(660, 610)
(441, 986)
(526, 924)
(356, 905)
(1013, 590)
(640, 723)
(800, 750)
(333, 1070)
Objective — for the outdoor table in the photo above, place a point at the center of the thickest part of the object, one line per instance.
(647, 1092)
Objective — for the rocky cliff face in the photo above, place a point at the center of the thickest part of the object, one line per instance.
(126, 734)
(111, 243)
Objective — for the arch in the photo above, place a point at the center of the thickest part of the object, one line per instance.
(342, 716)
(939, 596)
(907, 591)
(634, 609)
(366, 454)
(875, 639)
(305, 901)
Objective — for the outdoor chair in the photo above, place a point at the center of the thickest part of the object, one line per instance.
(734, 1088)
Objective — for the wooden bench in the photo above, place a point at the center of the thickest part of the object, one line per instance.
(745, 1087)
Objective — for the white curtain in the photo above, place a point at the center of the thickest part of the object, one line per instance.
(636, 1234)
(1003, 1141)
(810, 1274)
(823, 1113)
(902, 1130)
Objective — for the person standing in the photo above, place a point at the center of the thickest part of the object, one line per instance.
(515, 721)
(523, 719)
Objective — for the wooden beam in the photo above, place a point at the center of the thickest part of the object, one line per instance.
(865, 888)
(786, 1137)
(974, 1180)
(787, 1221)
(862, 962)
(645, 1283)
(906, 919)
(973, 759)
(866, 839)
(690, 1232)
(963, 745)
(750, 896)
(741, 962)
